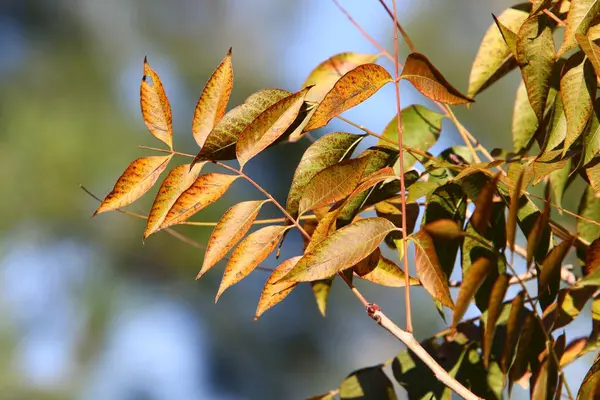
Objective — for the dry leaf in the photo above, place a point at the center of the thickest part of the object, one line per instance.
(156, 109)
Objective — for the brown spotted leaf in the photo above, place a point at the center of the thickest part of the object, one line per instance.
(205, 190)
(429, 271)
(341, 250)
(579, 19)
(593, 174)
(325, 152)
(229, 230)
(591, 49)
(378, 269)
(590, 388)
(535, 53)
(274, 292)
(177, 181)
(137, 179)
(472, 281)
(493, 313)
(332, 184)
(213, 100)
(350, 90)
(419, 71)
(268, 126)
(251, 251)
(221, 142)
(156, 109)
(326, 74)
(494, 58)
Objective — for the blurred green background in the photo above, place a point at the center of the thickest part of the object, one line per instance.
(89, 312)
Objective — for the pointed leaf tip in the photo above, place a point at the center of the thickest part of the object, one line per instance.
(156, 109)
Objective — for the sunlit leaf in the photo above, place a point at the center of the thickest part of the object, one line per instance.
(367, 384)
(268, 126)
(204, 191)
(578, 91)
(420, 189)
(321, 289)
(557, 131)
(573, 351)
(549, 277)
(593, 174)
(589, 209)
(513, 210)
(558, 182)
(156, 109)
(480, 220)
(273, 291)
(591, 139)
(419, 71)
(382, 272)
(590, 388)
(177, 181)
(213, 101)
(137, 179)
(472, 281)
(421, 129)
(579, 19)
(250, 252)
(326, 74)
(493, 313)
(535, 53)
(445, 229)
(350, 90)
(543, 169)
(221, 142)
(332, 184)
(342, 249)
(513, 328)
(429, 271)
(325, 152)
(592, 258)
(494, 58)
(524, 121)
(545, 380)
(232, 226)
(591, 49)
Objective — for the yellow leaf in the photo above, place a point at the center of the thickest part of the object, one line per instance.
(156, 109)
(378, 269)
(137, 179)
(229, 230)
(204, 191)
(350, 90)
(274, 292)
(251, 251)
(213, 100)
(419, 71)
(177, 181)
(579, 19)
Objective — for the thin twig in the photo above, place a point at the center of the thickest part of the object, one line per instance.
(405, 36)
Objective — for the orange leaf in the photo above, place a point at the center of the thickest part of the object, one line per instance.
(204, 191)
(252, 251)
(332, 184)
(429, 271)
(419, 71)
(229, 230)
(156, 109)
(445, 229)
(472, 281)
(274, 292)
(268, 126)
(137, 179)
(179, 180)
(592, 258)
(213, 100)
(350, 90)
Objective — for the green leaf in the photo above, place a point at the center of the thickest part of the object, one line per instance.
(421, 129)
(350, 90)
(472, 281)
(542, 169)
(332, 184)
(535, 53)
(221, 142)
(593, 174)
(591, 139)
(327, 73)
(321, 290)
(578, 91)
(274, 292)
(325, 152)
(493, 313)
(341, 250)
(569, 305)
(429, 271)
(524, 122)
(382, 272)
(494, 58)
(549, 277)
(579, 19)
(251, 251)
(558, 126)
(232, 226)
(589, 208)
(558, 181)
(268, 126)
(213, 101)
(367, 384)
(426, 78)
(590, 388)
(420, 189)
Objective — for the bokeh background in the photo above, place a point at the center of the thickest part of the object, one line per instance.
(89, 312)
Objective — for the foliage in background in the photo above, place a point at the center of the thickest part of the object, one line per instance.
(471, 211)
